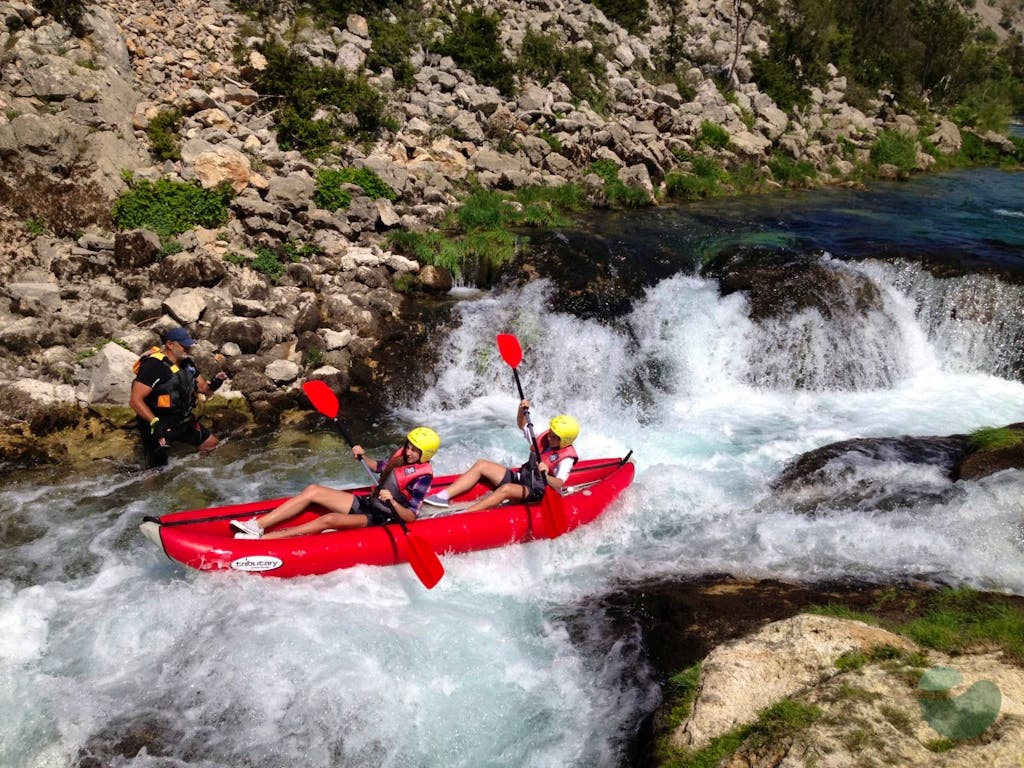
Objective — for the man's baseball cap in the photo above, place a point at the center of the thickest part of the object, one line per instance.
(181, 336)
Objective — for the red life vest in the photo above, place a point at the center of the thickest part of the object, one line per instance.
(551, 456)
(399, 479)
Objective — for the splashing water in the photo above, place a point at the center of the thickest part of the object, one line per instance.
(109, 650)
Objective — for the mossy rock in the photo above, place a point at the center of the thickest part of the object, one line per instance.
(117, 416)
(994, 449)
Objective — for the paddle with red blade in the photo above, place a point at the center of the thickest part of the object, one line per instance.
(552, 506)
(422, 558)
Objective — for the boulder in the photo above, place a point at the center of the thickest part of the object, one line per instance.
(741, 678)
(111, 374)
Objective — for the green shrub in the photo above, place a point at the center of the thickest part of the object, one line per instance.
(977, 152)
(474, 45)
(545, 58)
(171, 207)
(712, 135)
(331, 194)
(392, 43)
(785, 170)
(162, 133)
(701, 181)
(779, 80)
(267, 262)
(490, 247)
(895, 148)
(618, 193)
(627, 13)
(67, 12)
(478, 233)
(35, 227)
(296, 252)
(304, 90)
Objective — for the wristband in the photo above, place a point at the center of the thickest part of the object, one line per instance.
(154, 420)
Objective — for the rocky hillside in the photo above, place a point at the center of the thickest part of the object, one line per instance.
(288, 282)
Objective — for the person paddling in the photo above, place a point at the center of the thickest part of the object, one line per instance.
(405, 479)
(556, 460)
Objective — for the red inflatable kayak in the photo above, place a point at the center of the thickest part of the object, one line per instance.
(202, 538)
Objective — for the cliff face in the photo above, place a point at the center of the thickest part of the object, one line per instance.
(284, 288)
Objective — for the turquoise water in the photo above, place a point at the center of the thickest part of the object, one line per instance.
(107, 646)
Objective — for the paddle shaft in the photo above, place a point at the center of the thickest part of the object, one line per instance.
(534, 446)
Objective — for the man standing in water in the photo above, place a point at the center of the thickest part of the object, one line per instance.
(164, 395)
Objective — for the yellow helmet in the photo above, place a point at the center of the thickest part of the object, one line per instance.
(566, 427)
(426, 440)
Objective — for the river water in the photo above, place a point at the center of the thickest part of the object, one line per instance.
(111, 655)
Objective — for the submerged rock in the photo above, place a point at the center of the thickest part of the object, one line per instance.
(875, 472)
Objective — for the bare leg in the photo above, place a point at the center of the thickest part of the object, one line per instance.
(208, 444)
(329, 498)
(482, 469)
(333, 521)
(503, 493)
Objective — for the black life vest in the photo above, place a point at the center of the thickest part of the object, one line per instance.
(173, 398)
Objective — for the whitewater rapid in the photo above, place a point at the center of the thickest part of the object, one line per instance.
(105, 646)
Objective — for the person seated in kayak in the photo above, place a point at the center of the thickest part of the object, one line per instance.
(163, 396)
(557, 457)
(405, 478)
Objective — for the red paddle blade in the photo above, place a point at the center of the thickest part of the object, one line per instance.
(510, 350)
(424, 561)
(552, 511)
(322, 397)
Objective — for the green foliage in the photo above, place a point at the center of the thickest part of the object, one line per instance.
(36, 227)
(690, 186)
(780, 721)
(552, 141)
(474, 45)
(267, 262)
(296, 252)
(492, 247)
(977, 152)
(627, 13)
(67, 12)
(529, 207)
(895, 148)
(392, 43)
(681, 691)
(959, 619)
(712, 135)
(916, 49)
(479, 231)
(313, 357)
(994, 439)
(315, 99)
(272, 262)
(170, 247)
(86, 353)
(785, 170)
(171, 207)
(162, 133)
(330, 182)
(546, 58)
(618, 193)
(953, 621)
